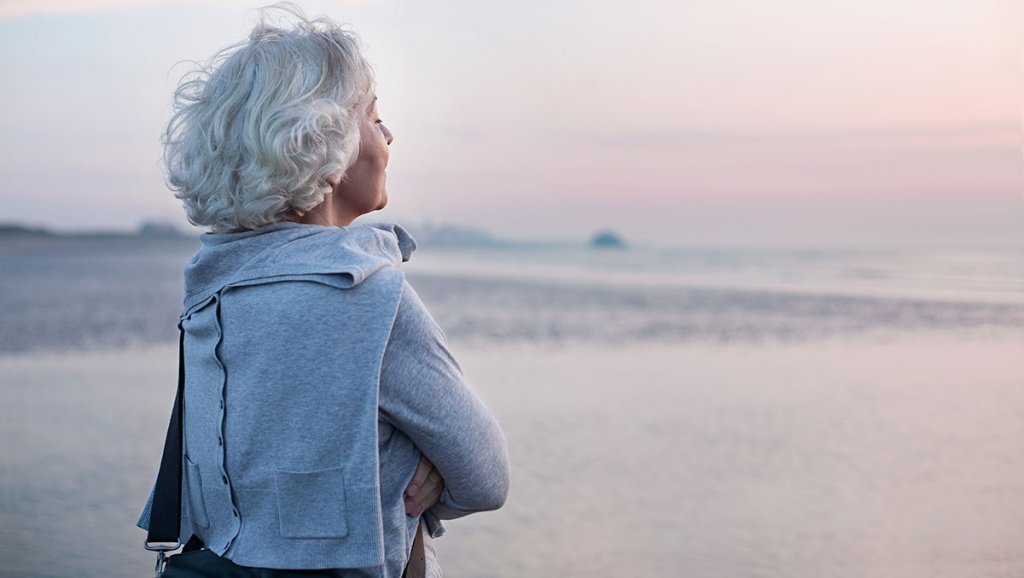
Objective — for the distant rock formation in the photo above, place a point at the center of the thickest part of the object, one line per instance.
(16, 230)
(159, 229)
(607, 240)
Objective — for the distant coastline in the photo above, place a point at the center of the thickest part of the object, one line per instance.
(425, 234)
(443, 236)
(147, 230)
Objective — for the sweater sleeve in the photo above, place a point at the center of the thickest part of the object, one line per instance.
(424, 395)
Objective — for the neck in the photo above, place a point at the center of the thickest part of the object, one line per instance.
(326, 214)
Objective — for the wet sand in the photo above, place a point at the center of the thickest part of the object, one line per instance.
(842, 458)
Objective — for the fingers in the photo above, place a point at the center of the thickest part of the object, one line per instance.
(427, 496)
(423, 470)
(429, 500)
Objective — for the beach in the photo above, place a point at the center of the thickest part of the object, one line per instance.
(702, 412)
(743, 283)
(854, 458)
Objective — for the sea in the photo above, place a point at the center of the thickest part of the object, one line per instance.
(693, 411)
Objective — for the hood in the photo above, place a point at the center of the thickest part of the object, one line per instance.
(289, 250)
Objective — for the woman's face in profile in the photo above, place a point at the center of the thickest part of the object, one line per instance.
(364, 187)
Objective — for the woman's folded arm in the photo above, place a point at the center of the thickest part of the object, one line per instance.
(424, 395)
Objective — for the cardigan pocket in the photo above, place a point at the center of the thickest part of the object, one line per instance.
(196, 503)
(312, 504)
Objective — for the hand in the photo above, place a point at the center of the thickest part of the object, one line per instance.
(424, 489)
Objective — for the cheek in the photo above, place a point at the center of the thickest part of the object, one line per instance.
(379, 161)
(382, 148)
(375, 142)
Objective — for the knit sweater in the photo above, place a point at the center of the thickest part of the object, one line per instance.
(315, 380)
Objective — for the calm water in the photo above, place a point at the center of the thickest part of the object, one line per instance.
(702, 413)
(88, 294)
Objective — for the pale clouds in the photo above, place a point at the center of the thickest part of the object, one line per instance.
(877, 119)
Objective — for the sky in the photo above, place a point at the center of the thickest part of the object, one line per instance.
(670, 122)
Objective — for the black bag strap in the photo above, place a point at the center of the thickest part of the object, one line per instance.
(165, 513)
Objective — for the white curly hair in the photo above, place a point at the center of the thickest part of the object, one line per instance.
(259, 129)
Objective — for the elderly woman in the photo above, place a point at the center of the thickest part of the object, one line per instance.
(325, 417)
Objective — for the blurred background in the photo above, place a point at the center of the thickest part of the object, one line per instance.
(744, 282)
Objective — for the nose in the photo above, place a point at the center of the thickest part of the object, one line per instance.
(388, 137)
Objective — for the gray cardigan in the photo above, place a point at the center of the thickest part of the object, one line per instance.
(315, 378)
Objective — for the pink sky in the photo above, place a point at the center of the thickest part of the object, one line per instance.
(674, 122)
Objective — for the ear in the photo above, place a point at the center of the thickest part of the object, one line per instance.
(333, 180)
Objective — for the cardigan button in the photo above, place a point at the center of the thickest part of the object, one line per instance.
(220, 440)
(225, 478)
